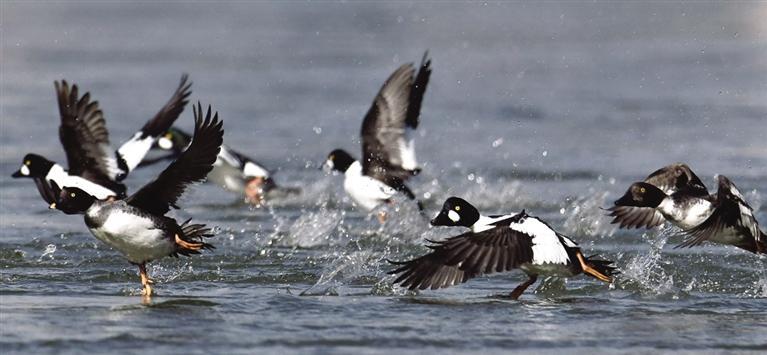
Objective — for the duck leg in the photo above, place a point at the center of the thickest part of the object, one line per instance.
(145, 281)
(381, 217)
(589, 270)
(522, 287)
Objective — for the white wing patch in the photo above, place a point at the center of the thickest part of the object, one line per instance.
(134, 150)
(252, 169)
(484, 222)
(63, 179)
(547, 249)
(407, 147)
(226, 156)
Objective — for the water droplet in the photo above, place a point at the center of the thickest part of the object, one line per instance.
(497, 143)
(317, 130)
(545, 153)
(470, 177)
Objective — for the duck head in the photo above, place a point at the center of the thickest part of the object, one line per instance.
(33, 166)
(642, 194)
(456, 212)
(338, 160)
(73, 200)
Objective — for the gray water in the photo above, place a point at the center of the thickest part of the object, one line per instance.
(554, 108)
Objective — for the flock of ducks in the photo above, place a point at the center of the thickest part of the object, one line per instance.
(136, 224)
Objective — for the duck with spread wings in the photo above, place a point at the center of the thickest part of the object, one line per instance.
(137, 226)
(388, 149)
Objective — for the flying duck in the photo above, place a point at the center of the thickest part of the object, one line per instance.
(232, 170)
(517, 241)
(93, 167)
(388, 150)
(673, 193)
(732, 222)
(137, 226)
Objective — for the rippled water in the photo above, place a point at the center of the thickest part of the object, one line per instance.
(553, 107)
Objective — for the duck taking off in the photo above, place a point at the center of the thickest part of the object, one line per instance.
(388, 150)
(673, 193)
(93, 166)
(137, 226)
(517, 241)
(232, 170)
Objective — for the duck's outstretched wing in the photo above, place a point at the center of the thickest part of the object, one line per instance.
(387, 145)
(193, 165)
(463, 257)
(132, 152)
(732, 215)
(635, 217)
(669, 179)
(85, 138)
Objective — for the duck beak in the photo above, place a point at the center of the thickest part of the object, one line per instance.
(23, 171)
(441, 220)
(625, 200)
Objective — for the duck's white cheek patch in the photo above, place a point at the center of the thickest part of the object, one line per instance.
(454, 216)
(165, 143)
(24, 170)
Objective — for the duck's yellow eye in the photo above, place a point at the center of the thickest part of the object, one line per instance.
(27, 162)
(457, 208)
(332, 157)
(642, 190)
(72, 195)
(168, 135)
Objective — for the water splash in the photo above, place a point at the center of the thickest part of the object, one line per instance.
(50, 249)
(347, 267)
(584, 215)
(648, 271)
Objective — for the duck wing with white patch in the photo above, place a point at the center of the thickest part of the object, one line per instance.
(85, 138)
(732, 222)
(388, 151)
(193, 165)
(669, 179)
(460, 258)
(131, 153)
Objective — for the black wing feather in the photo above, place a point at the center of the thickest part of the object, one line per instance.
(193, 165)
(163, 120)
(727, 215)
(396, 107)
(84, 136)
(466, 256)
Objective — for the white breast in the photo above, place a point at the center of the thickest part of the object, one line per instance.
(366, 192)
(547, 249)
(134, 236)
(686, 216)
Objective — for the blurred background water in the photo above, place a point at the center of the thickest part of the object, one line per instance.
(553, 107)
